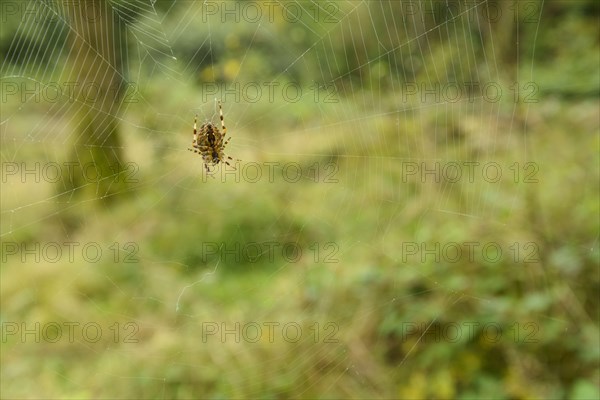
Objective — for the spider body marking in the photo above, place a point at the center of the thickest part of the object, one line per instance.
(210, 143)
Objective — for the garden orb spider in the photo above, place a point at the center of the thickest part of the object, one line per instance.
(210, 142)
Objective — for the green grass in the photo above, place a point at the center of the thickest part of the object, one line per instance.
(370, 294)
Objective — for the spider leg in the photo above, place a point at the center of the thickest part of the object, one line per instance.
(195, 132)
(224, 159)
(222, 122)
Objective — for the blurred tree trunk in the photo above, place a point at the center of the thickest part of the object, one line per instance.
(95, 61)
(504, 19)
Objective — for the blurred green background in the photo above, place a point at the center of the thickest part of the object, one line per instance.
(359, 97)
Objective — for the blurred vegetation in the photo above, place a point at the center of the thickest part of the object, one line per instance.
(372, 293)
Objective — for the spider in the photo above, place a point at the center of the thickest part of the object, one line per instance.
(210, 142)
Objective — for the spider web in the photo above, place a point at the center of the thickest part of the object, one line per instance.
(392, 149)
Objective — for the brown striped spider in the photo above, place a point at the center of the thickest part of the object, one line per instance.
(210, 142)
